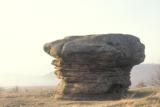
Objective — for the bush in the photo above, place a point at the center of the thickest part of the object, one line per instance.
(141, 84)
(15, 89)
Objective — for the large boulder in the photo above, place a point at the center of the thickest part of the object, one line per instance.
(94, 66)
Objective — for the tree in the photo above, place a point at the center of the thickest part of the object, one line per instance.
(1, 89)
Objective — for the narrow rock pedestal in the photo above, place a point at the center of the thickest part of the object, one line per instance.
(94, 67)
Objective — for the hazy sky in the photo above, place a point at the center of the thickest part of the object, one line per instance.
(25, 25)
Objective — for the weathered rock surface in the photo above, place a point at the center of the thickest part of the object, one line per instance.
(94, 66)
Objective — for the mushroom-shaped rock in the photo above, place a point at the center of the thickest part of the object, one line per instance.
(94, 66)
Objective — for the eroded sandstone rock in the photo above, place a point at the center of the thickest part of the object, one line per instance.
(94, 66)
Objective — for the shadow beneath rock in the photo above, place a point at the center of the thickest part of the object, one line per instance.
(93, 97)
(109, 96)
(138, 94)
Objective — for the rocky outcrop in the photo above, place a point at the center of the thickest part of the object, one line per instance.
(94, 66)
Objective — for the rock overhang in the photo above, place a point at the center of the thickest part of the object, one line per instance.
(117, 47)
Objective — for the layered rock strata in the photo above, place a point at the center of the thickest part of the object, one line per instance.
(94, 66)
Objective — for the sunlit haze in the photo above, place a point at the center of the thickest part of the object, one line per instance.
(26, 25)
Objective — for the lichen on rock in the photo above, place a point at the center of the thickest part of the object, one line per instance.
(94, 66)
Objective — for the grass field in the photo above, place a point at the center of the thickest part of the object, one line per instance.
(43, 97)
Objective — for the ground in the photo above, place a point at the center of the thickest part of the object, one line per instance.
(43, 97)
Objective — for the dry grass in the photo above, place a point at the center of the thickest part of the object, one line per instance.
(43, 97)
